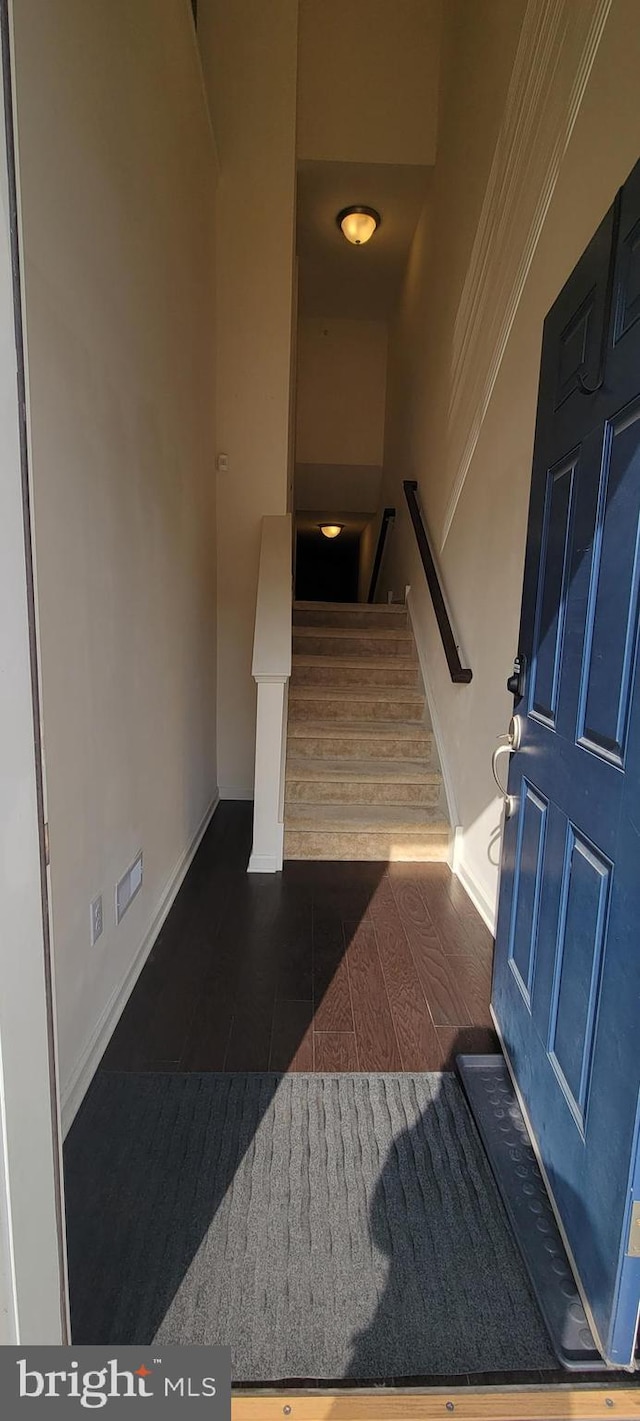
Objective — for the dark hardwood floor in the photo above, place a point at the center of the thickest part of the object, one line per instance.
(325, 967)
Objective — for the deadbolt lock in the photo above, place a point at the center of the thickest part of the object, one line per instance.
(515, 682)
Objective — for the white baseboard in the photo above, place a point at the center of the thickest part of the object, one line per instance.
(271, 862)
(75, 1089)
(264, 863)
(479, 897)
(449, 791)
(455, 842)
(455, 848)
(236, 791)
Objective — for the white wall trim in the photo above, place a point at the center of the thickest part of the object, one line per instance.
(33, 1288)
(455, 848)
(264, 863)
(271, 669)
(75, 1088)
(447, 781)
(478, 895)
(236, 791)
(556, 51)
(270, 862)
(456, 859)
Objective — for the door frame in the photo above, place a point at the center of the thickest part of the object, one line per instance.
(33, 1283)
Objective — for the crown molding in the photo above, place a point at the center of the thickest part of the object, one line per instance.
(558, 44)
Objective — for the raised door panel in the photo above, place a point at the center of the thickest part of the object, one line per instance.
(612, 616)
(577, 968)
(555, 560)
(527, 883)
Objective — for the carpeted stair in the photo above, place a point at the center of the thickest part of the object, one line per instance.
(362, 779)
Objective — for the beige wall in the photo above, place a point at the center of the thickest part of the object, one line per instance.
(368, 80)
(342, 369)
(366, 555)
(465, 348)
(118, 185)
(249, 59)
(340, 412)
(343, 488)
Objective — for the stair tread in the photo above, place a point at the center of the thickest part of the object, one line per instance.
(329, 692)
(355, 663)
(389, 608)
(366, 729)
(364, 819)
(385, 633)
(374, 771)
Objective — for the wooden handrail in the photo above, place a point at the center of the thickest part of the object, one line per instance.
(458, 672)
(388, 515)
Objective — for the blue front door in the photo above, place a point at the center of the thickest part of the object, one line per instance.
(566, 991)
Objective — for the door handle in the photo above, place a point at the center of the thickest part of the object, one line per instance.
(507, 745)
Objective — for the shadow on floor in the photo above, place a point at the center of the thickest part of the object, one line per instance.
(327, 1238)
(327, 967)
(341, 1226)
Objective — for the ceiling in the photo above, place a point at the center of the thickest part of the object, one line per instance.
(336, 278)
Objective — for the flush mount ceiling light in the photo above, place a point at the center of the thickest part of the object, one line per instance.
(331, 530)
(358, 224)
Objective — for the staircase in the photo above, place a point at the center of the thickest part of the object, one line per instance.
(362, 779)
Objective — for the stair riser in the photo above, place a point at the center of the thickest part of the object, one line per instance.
(361, 792)
(348, 709)
(324, 618)
(350, 646)
(360, 676)
(386, 848)
(332, 747)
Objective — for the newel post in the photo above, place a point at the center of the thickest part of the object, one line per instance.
(271, 670)
(268, 804)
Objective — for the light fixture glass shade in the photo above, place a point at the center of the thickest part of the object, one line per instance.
(358, 224)
(331, 530)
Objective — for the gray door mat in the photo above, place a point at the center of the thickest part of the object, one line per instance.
(325, 1226)
(501, 1125)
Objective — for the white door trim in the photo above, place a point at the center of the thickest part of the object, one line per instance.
(33, 1285)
